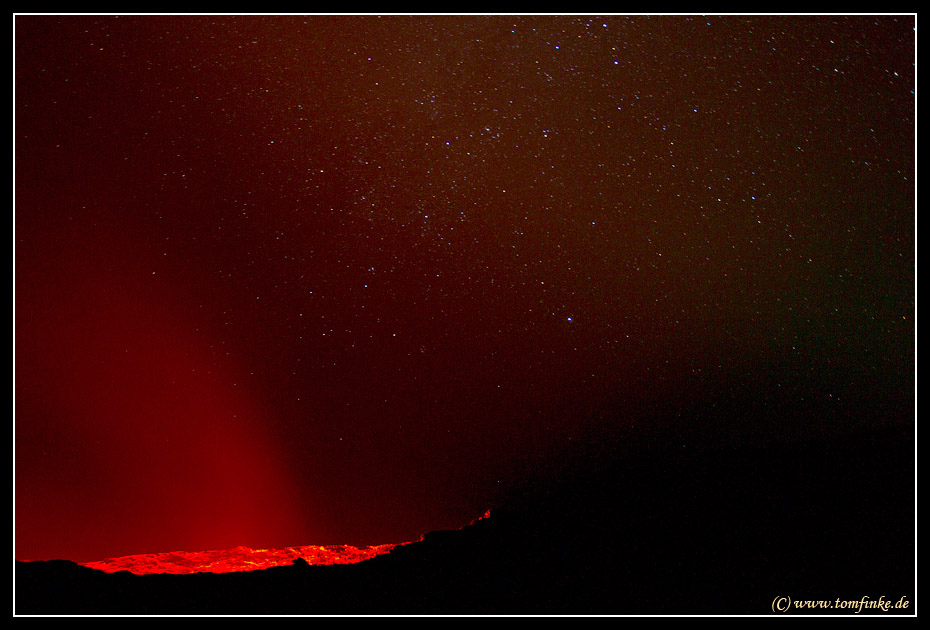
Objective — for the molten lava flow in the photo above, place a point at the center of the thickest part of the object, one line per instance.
(237, 559)
(242, 558)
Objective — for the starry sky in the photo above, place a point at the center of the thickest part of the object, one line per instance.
(334, 279)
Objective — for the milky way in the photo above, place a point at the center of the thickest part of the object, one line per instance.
(290, 280)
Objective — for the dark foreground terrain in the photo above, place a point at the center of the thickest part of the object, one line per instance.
(667, 531)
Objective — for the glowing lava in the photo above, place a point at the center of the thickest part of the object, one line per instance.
(236, 559)
(242, 558)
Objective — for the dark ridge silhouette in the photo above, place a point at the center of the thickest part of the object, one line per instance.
(666, 531)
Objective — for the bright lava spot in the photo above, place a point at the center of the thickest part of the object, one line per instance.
(236, 559)
(242, 558)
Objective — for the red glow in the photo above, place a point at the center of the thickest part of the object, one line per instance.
(132, 430)
(236, 559)
(242, 558)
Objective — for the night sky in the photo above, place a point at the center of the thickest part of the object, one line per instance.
(291, 280)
